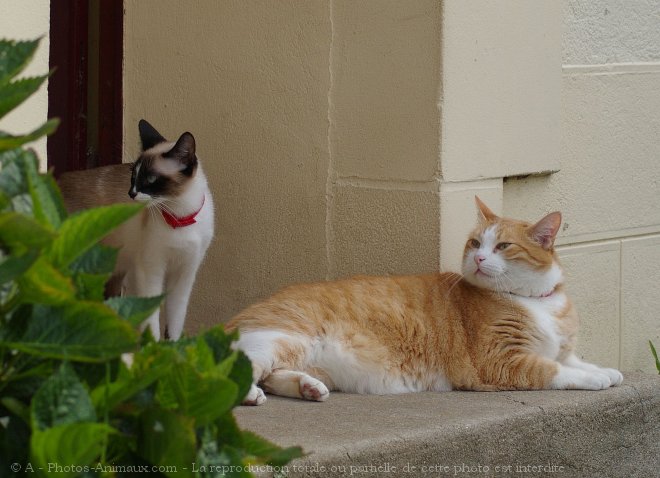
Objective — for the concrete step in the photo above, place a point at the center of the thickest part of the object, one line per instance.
(568, 433)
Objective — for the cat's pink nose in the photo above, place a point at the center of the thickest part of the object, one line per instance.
(479, 258)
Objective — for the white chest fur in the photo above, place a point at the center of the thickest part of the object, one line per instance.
(544, 312)
(156, 258)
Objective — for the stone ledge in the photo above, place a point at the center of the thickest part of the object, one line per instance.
(610, 433)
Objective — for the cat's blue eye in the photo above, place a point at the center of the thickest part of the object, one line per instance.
(151, 179)
(502, 245)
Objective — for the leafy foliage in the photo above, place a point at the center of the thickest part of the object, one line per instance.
(66, 394)
(655, 356)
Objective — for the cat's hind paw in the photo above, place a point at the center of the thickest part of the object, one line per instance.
(255, 396)
(616, 377)
(573, 378)
(313, 389)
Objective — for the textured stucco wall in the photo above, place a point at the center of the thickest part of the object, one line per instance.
(333, 131)
(501, 84)
(27, 20)
(383, 203)
(250, 80)
(316, 122)
(608, 185)
(346, 137)
(611, 31)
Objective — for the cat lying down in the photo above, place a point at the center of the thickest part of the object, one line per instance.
(505, 324)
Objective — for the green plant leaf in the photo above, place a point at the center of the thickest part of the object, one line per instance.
(149, 364)
(12, 142)
(5, 201)
(81, 231)
(201, 396)
(234, 456)
(241, 375)
(267, 452)
(655, 356)
(43, 284)
(99, 259)
(79, 331)
(14, 444)
(78, 444)
(224, 368)
(61, 400)
(134, 309)
(90, 286)
(199, 355)
(19, 231)
(209, 457)
(168, 439)
(227, 431)
(47, 204)
(15, 56)
(15, 93)
(17, 408)
(12, 177)
(15, 265)
(219, 342)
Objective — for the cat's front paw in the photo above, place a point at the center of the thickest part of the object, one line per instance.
(596, 381)
(573, 378)
(313, 389)
(616, 378)
(255, 396)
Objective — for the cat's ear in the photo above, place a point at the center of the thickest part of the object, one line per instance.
(149, 136)
(184, 152)
(485, 214)
(545, 231)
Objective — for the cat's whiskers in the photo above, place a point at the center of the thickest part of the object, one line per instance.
(153, 213)
(154, 207)
(456, 282)
(160, 204)
(452, 279)
(173, 206)
(445, 280)
(504, 275)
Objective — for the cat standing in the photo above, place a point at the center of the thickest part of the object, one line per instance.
(163, 246)
(505, 324)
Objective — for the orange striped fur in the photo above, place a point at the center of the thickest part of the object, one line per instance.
(505, 324)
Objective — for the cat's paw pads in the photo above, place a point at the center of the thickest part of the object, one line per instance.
(616, 378)
(255, 396)
(312, 389)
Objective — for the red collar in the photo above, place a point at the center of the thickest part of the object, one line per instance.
(175, 222)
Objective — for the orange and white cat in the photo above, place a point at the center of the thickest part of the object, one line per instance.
(505, 324)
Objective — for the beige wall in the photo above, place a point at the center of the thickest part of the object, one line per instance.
(27, 20)
(316, 122)
(250, 80)
(346, 137)
(608, 184)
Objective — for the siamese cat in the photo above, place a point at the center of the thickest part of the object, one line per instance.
(162, 247)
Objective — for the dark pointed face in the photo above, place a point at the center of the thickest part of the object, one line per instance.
(163, 170)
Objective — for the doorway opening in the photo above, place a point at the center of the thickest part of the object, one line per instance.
(85, 90)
